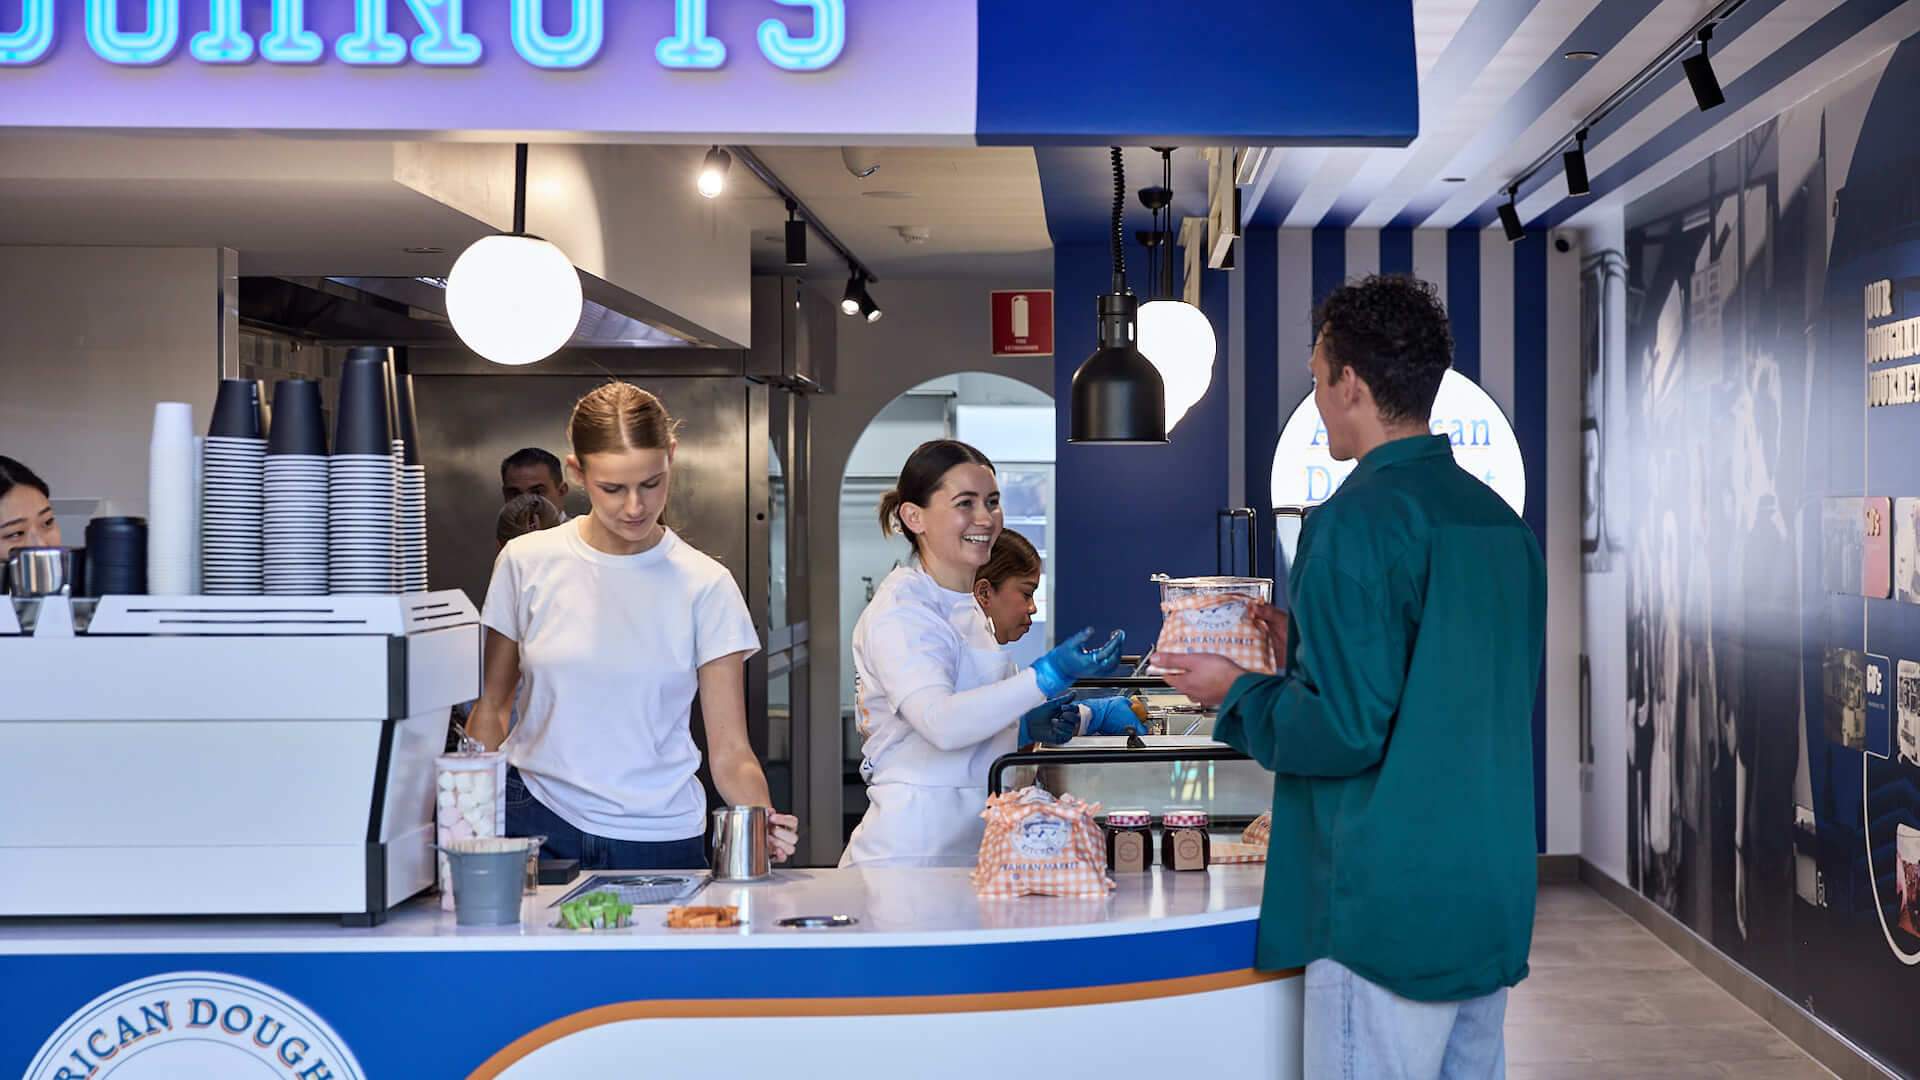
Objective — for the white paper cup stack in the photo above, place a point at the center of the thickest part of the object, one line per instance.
(410, 486)
(173, 502)
(411, 527)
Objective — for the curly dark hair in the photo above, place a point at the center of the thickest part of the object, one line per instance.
(1391, 329)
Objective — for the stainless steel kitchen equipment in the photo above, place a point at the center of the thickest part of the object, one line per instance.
(231, 755)
(40, 571)
(741, 847)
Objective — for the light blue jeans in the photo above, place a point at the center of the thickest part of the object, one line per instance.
(1356, 1030)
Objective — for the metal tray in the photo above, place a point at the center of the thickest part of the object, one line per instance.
(641, 889)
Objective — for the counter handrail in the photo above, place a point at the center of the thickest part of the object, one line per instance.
(1152, 755)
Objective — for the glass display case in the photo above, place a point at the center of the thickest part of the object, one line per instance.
(1164, 772)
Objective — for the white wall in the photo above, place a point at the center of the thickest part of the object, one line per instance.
(932, 328)
(94, 336)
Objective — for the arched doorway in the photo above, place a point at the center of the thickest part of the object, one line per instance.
(1009, 421)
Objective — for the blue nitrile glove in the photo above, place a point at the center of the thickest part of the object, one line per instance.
(1113, 716)
(1054, 722)
(1073, 660)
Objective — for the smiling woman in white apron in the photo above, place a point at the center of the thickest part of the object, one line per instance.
(938, 699)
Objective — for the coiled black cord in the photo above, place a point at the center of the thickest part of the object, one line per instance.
(1119, 221)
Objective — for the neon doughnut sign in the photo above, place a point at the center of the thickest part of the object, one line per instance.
(441, 39)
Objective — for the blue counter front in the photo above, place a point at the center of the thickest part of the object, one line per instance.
(931, 982)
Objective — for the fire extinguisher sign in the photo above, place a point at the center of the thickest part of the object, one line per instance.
(1022, 322)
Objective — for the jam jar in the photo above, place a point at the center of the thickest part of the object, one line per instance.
(1183, 840)
(1129, 841)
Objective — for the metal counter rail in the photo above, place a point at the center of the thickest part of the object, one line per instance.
(1142, 756)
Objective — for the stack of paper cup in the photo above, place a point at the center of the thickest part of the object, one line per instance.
(233, 504)
(410, 488)
(173, 502)
(295, 537)
(360, 480)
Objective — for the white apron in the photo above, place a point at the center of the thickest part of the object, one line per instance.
(911, 824)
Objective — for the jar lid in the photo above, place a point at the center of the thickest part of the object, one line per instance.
(1129, 819)
(1186, 819)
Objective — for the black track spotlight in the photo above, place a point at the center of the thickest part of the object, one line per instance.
(796, 236)
(856, 299)
(713, 172)
(1700, 76)
(868, 308)
(1510, 218)
(1575, 161)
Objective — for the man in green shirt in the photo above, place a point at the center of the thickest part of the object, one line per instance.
(1401, 869)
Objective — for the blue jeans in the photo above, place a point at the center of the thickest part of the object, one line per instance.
(1356, 1030)
(527, 816)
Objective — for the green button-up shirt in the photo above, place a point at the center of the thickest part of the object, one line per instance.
(1401, 733)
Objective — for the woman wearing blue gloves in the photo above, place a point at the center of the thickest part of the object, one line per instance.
(937, 698)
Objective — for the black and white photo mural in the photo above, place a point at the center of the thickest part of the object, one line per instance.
(1764, 487)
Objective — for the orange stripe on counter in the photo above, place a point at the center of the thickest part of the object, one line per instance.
(869, 1006)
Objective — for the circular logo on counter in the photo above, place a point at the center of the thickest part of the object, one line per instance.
(194, 1023)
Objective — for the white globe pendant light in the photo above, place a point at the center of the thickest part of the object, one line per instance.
(513, 298)
(1174, 335)
(1179, 341)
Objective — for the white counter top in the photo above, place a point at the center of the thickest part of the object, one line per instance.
(900, 906)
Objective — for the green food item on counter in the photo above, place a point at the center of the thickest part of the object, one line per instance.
(596, 911)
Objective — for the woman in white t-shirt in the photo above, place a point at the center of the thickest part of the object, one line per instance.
(938, 699)
(614, 623)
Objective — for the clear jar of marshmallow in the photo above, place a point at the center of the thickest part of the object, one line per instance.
(470, 802)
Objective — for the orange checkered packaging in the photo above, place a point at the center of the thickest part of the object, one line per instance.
(1260, 832)
(1218, 623)
(1039, 845)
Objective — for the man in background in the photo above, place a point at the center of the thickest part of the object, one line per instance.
(532, 471)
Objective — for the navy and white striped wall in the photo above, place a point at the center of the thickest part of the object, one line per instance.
(1515, 310)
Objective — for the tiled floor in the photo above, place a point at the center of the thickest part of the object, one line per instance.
(1607, 1000)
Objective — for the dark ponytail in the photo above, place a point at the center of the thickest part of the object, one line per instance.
(13, 474)
(921, 477)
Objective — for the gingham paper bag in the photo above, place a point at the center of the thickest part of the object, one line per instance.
(1260, 832)
(1037, 844)
(1217, 623)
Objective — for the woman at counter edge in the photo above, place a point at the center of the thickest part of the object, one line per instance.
(26, 510)
(601, 630)
(937, 698)
(1401, 869)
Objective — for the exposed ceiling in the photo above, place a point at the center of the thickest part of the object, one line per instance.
(288, 207)
(1497, 91)
(979, 207)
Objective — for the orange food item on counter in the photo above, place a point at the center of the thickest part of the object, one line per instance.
(1039, 845)
(702, 918)
(1220, 624)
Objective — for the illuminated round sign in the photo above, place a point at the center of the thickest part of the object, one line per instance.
(1305, 474)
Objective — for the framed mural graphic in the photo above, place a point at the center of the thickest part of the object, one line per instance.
(1769, 520)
